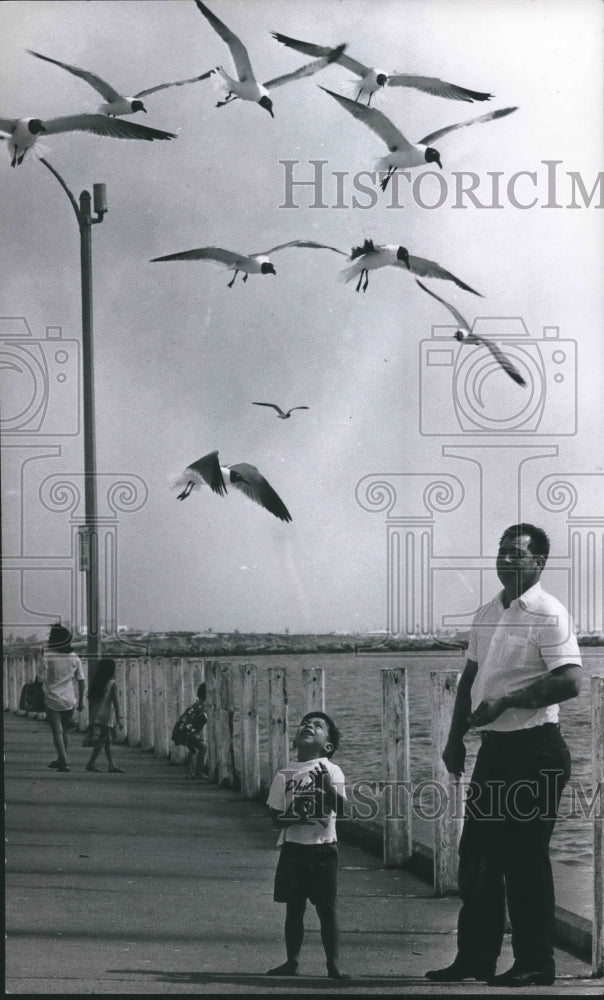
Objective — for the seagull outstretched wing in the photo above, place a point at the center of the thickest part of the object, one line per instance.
(463, 323)
(438, 88)
(103, 125)
(208, 468)
(246, 478)
(309, 49)
(241, 60)
(101, 86)
(499, 113)
(308, 244)
(430, 269)
(375, 120)
(205, 253)
(309, 69)
(174, 83)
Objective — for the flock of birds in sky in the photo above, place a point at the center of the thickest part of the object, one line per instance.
(22, 134)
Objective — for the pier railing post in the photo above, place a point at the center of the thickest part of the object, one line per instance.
(313, 689)
(278, 719)
(19, 682)
(147, 721)
(449, 812)
(211, 668)
(175, 706)
(396, 756)
(133, 724)
(160, 681)
(6, 670)
(250, 740)
(121, 679)
(597, 736)
(224, 729)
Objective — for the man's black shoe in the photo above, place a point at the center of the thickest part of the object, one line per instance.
(461, 969)
(516, 977)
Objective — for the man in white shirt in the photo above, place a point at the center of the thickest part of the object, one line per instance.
(523, 659)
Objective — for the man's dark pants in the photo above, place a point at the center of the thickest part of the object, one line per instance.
(511, 810)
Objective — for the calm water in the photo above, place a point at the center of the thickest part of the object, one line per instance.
(353, 696)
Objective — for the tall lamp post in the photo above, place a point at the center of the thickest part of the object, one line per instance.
(90, 541)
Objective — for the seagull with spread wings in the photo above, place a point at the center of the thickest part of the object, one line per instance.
(245, 85)
(255, 263)
(116, 103)
(465, 335)
(243, 476)
(374, 80)
(402, 153)
(22, 133)
(282, 414)
(370, 257)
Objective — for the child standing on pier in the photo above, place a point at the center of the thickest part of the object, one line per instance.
(104, 714)
(304, 801)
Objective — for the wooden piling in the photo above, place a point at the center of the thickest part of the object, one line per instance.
(146, 714)
(19, 682)
(121, 678)
(396, 757)
(448, 817)
(250, 738)
(313, 689)
(278, 718)
(133, 682)
(225, 709)
(160, 682)
(597, 758)
(211, 667)
(176, 705)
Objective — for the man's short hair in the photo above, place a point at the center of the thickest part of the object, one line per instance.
(539, 539)
(332, 729)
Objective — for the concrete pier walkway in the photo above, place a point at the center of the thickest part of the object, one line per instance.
(149, 883)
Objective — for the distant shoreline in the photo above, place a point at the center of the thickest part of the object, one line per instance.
(180, 643)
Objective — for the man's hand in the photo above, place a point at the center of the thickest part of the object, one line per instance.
(488, 710)
(454, 757)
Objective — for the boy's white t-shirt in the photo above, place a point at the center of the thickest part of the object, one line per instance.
(296, 780)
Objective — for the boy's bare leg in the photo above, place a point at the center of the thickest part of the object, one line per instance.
(330, 938)
(113, 768)
(58, 737)
(294, 936)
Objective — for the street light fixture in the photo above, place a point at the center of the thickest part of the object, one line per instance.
(91, 541)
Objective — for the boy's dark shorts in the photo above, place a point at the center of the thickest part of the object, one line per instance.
(309, 871)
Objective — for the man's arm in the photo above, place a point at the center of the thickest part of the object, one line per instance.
(558, 685)
(454, 754)
(81, 689)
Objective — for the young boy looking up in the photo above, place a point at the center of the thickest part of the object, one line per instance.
(304, 801)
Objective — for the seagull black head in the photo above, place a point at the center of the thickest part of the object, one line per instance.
(267, 268)
(433, 156)
(138, 106)
(35, 126)
(265, 102)
(403, 254)
(381, 79)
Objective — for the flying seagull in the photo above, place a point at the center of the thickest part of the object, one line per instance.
(282, 414)
(369, 257)
(243, 477)
(254, 263)
(465, 335)
(373, 80)
(23, 132)
(245, 85)
(117, 104)
(402, 152)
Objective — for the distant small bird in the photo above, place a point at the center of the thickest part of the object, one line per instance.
(281, 413)
(373, 80)
(22, 133)
(465, 335)
(402, 152)
(246, 86)
(369, 257)
(117, 104)
(243, 477)
(254, 263)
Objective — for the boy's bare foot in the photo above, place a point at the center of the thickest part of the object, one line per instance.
(287, 969)
(114, 769)
(91, 767)
(334, 973)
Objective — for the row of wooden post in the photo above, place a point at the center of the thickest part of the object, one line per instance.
(154, 692)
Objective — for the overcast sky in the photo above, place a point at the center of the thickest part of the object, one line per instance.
(179, 357)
